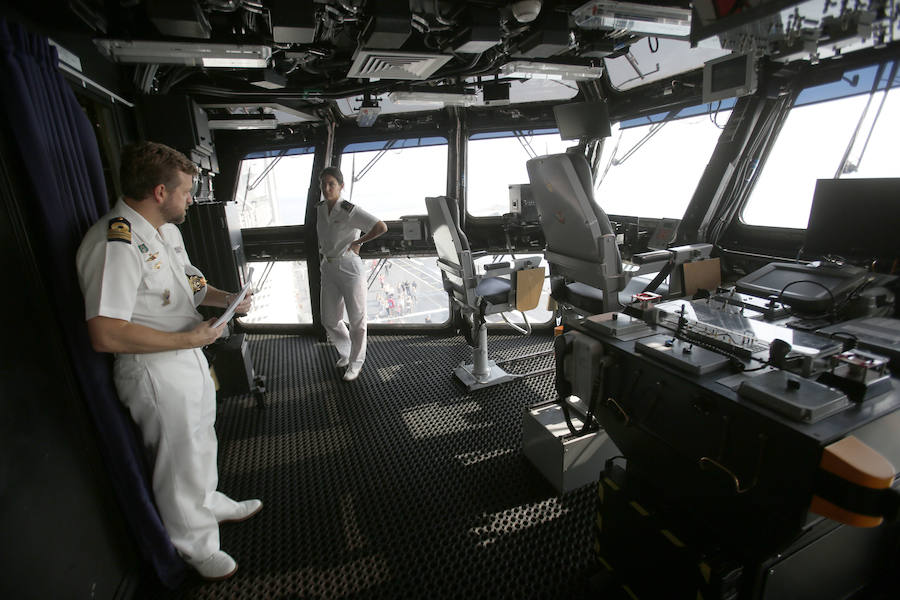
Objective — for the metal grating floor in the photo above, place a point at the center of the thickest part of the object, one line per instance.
(398, 485)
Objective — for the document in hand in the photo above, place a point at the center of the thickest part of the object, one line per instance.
(229, 312)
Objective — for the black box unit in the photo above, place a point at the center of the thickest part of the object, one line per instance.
(651, 556)
(232, 365)
(212, 238)
(177, 121)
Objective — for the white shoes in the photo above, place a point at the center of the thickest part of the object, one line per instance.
(352, 372)
(241, 512)
(217, 567)
(342, 362)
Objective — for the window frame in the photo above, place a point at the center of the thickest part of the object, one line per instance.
(769, 242)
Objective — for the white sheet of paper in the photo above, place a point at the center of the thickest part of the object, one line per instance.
(229, 312)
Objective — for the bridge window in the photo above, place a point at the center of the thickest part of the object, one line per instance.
(650, 166)
(273, 187)
(392, 178)
(496, 160)
(844, 129)
(406, 290)
(282, 293)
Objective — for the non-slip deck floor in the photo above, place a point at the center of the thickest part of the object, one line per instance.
(398, 485)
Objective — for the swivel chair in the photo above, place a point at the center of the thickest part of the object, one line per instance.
(586, 270)
(475, 296)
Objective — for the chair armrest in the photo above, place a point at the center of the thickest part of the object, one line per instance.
(478, 254)
(644, 258)
(497, 265)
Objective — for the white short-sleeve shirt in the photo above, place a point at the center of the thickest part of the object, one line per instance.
(342, 227)
(128, 270)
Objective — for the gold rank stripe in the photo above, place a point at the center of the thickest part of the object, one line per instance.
(119, 230)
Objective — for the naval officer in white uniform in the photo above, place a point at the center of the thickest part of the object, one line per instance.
(141, 293)
(339, 224)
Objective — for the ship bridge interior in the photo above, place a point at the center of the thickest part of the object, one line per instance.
(633, 329)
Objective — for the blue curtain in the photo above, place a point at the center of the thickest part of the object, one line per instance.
(65, 176)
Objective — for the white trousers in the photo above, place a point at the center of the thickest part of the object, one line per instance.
(344, 287)
(172, 398)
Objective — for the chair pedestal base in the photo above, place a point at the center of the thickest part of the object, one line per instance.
(494, 375)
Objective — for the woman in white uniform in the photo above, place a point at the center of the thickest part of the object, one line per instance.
(339, 225)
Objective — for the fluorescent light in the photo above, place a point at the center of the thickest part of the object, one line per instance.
(539, 70)
(186, 53)
(240, 122)
(661, 21)
(433, 98)
(237, 63)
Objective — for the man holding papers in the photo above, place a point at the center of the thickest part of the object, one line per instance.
(141, 292)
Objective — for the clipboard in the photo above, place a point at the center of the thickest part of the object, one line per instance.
(229, 312)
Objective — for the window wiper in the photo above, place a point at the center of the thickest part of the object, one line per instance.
(654, 129)
(526, 145)
(265, 172)
(365, 170)
(843, 166)
(848, 166)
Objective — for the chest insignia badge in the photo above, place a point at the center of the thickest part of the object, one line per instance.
(152, 257)
(142, 247)
(157, 266)
(197, 283)
(167, 295)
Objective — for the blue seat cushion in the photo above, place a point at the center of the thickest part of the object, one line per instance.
(494, 289)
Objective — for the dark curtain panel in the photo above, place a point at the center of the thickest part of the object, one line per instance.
(64, 171)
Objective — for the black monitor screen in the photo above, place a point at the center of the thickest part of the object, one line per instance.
(577, 120)
(858, 219)
(729, 74)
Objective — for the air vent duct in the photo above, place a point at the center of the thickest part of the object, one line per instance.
(382, 64)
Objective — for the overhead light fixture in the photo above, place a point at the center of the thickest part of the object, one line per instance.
(368, 112)
(647, 19)
(556, 71)
(241, 122)
(434, 98)
(186, 53)
(268, 79)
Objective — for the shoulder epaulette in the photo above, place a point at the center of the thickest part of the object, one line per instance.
(348, 206)
(119, 230)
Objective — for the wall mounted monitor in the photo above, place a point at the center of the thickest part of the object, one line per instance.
(730, 76)
(856, 219)
(577, 120)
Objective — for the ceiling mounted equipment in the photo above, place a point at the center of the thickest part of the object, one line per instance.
(242, 122)
(526, 11)
(384, 64)
(441, 98)
(538, 70)
(186, 53)
(292, 22)
(179, 18)
(644, 19)
(267, 79)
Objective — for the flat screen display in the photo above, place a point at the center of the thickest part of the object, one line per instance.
(857, 219)
(577, 120)
(729, 77)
